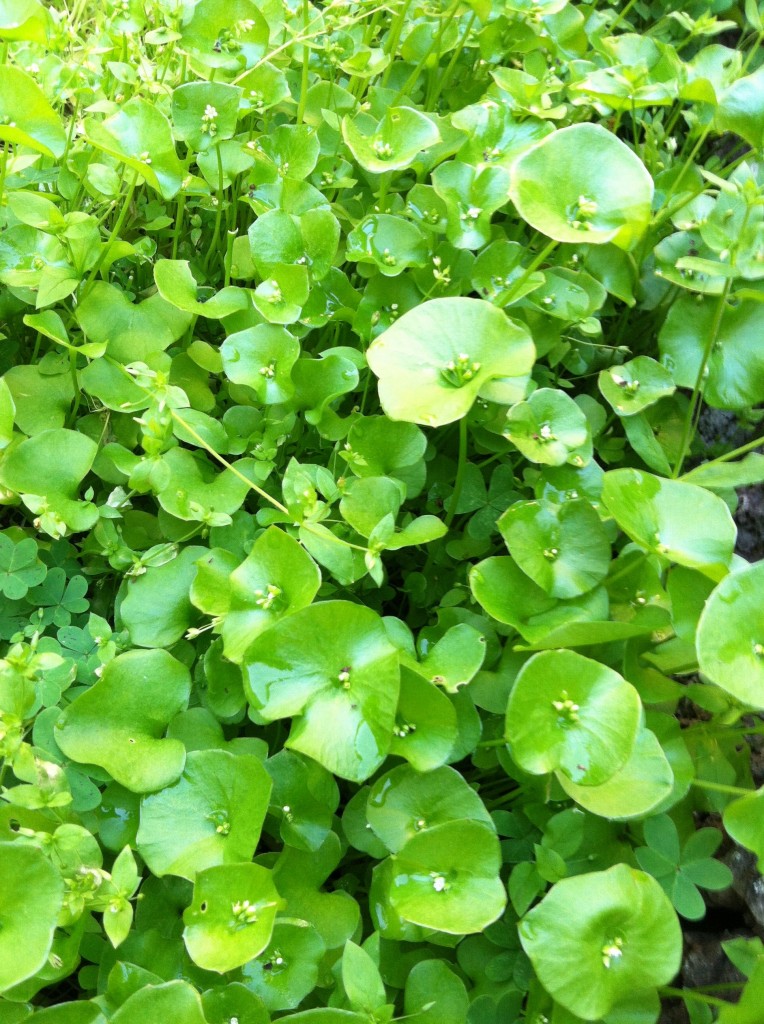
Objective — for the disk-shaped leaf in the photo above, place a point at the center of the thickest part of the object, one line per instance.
(205, 112)
(287, 970)
(78, 1012)
(175, 1001)
(733, 377)
(53, 462)
(157, 610)
(305, 797)
(655, 513)
(331, 665)
(120, 721)
(433, 362)
(582, 184)
(570, 713)
(140, 135)
(131, 331)
(454, 659)
(233, 1001)
(392, 143)
(645, 780)
(404, 802)
(177, 285)
(744, 821)
(596, 938)
(564, 548)
(26, 116)
(633, 386)
(425, 723)
(30, 901)
(447, 878)
(212, 815)
(230, 34)
(262, 357)
(730, 636)
(231, 917)
(549, 428)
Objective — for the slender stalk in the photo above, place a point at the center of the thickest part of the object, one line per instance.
(305, 61)
(721, 787)
(460, 471)
(692, 995)
(530, 269)
(179, 212)
(689, 420)
(115, 234)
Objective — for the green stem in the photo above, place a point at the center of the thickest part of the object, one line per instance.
(530, 269)
(728, 456)
(179, 212)
(391, 43)
(693, 996)
(493, 743)
(460, 471)
(218, 213)
(445, 78)
(230, 238)
(689, 420)
(621, 16)
(721, 787)
(115, 234)
(305, 60)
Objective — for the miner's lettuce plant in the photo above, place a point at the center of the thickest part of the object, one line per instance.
(374, 644)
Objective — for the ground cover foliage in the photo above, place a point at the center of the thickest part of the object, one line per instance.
(374, 642)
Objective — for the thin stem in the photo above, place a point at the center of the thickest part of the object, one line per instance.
(230, 238)
(180, 211)
(530, 269)
(729, 456)
(721, 787)
(305, 61)
(692, 995)
(689, 420)
(460, 471)
(115, 233)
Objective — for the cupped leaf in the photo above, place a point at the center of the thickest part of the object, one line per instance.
(744, 821)
(287, 970)
(276, 578)
(175, 1001)
(733, 373)
(570, 713)
(262, 357)
(212, 815)
(435, 360)
(596, 938)
(562, 547)
(233, 1001)
(204, 113)
(730, 637)
(231, 34)
(120, 722)
(333, 668)
(425, 723)
(392, 143)
(176, 284)
(404, 802)
(635, 790)
(305, 797)
(654, 513)
(549, 428)
(140, 136)
(53, 462)
(231, 918)
(582, 184)
(157, 609)
(26, 116)
(633, 386)
(130, 331)
(30, 900)
(447, 878)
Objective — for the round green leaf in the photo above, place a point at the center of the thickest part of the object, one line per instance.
(157, 610)
(287, 970)
(425, 723)
(233, 1001)
(570, 713)
(305, 797)
(231, 917)
(205, 112)
(404, 803)
(26, 116)
(635, 790)
(734, 371)
(564, 548)
(262, 357)
(140, 135)
(333, 667)
(30, 900)
(437, 359)
(582, 184)
(177, 285)
(744, 821)
(392, 143)
(52, 462)
(633, 386)
(231, 34)
(654, 513)
(175, 1001)
(549, 428)
(730, 637)
(447, 878)
(596, 938)
(392, 244)
(120, 721)
(212, 815)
